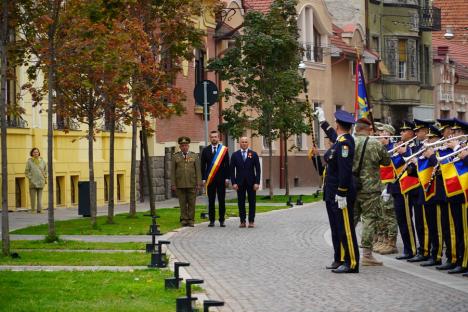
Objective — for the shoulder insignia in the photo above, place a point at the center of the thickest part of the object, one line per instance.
(344, 151)
(342, 139)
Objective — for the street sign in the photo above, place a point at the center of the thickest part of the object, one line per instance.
(211, 93)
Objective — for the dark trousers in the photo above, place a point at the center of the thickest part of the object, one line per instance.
(216, 188)
(448, 231)
(347, 233)
(459, 214)
(405, 223)
(434, 223)
(243, 189)
(422, 230)
(337, 256)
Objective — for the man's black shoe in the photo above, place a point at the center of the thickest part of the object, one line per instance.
(466, 274)
(344, 268)
(418, 258)
(457, 270)
(431, 262)
(334, 265)
(221, 224)
(446, 266)
(404, 257)
(211, 224)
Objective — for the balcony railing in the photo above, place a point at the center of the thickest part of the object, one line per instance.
(430, 19)
(17, 122)
(312, 53)
(66, 124)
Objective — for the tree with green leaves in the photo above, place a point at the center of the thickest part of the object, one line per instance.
(262, 67)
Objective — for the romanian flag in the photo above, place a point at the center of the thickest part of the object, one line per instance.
(398, 163)
(462, 171)
(408, 183)
(450, 175)
(425, 170)
(361, 103)
(387, 174)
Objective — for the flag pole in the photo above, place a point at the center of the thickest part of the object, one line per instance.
(371, 116)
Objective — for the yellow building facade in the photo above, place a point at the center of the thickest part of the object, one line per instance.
(70, 154)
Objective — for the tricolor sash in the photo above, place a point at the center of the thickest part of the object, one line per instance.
(425, 171)
(450, 175)
(216, 163)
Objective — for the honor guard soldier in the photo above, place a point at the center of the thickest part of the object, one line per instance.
(401, 201)
(416, 195)
(186, 177)
(339, 191)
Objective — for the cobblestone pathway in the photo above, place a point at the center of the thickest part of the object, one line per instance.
(279, 266)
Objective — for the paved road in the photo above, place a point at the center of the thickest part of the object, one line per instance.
(279, 266)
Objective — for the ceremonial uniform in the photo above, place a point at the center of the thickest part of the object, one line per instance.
(339, 192)
(403, 212)
(186, 177)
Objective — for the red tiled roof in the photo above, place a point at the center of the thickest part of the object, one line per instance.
(454, 14)
(258, 5)
(456, 52)
(339, 43)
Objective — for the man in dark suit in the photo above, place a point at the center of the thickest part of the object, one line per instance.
(245, 177)
(215, 175)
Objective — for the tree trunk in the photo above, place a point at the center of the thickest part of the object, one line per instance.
(133, 165)
(149, 177)
(51, 76)
(286, 174)
(3, 109)
(92, 183)
(270, 165)
(110, 207)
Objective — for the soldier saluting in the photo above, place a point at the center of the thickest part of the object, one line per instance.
(186, 177)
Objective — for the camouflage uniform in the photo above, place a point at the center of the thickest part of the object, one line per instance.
(388, 226)
(368, 207)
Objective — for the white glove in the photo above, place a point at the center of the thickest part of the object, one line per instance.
(341, 201)
(320, 114)
(385, 196)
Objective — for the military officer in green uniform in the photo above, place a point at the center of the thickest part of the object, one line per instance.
(186, 178)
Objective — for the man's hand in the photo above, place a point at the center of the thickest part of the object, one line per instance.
(319, 114)
(235, 187)
(256, 186)
(401, 150)
(428, 152)
(226, 182)
(341, 200)
(173, 187)
(385, 196)
(454, 144)
(203, 182)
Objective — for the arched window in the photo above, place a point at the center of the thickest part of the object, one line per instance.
(310, 36)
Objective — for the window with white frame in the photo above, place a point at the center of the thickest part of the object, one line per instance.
(299, 142)
(401, 58)
(310, 36)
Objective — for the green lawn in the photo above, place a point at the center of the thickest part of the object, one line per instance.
(168, 221)
(137, 291)
(74, 245)
(282, 199)
(77, 258)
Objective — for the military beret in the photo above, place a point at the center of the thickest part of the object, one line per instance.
(183, 140)
(342, 116)
(433, 132)
(364, 121)
(389, 129)
(419, 124)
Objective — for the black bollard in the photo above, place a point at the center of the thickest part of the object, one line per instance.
(289, 202)
(211, 303)
(317, 193)
(153, 231)
(157, 257)
(185, 304)
(299, 201)
(174, 282)
(204, 215)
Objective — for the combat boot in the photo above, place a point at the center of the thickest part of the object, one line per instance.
(368, 259)
(378, 244)
(390, 247)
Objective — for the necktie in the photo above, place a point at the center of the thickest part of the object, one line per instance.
(185, 155)
(214, 149)
(244, 155)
